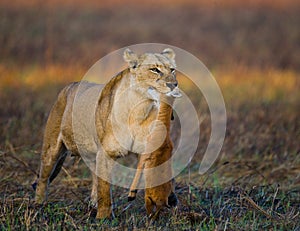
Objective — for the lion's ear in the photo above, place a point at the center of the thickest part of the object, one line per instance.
(131, 58)
(169, 53)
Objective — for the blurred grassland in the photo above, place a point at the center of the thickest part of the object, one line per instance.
(253, 36)
(241, 85)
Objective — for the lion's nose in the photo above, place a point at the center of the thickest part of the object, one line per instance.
(172, 85)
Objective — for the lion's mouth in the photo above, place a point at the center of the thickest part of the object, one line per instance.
(154, 92)
(175, 93)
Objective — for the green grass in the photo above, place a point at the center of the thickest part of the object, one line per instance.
(263, 207)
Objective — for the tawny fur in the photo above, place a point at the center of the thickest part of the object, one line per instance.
(126, 95)
(156, 197)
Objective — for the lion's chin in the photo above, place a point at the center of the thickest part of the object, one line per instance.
(175, 93)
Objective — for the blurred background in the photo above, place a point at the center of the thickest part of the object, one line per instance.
(253, 34)
(251, 47)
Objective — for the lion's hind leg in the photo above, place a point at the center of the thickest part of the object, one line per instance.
(54, 151)
(51, 163)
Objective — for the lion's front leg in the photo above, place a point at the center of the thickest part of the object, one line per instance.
(103, 171)
(150, 206)
(104, 199)
(140, 167)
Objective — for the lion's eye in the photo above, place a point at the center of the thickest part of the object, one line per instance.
(155, 70)
(172, 70)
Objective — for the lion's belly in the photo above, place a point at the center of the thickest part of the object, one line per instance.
(85, 143)
(78, 130)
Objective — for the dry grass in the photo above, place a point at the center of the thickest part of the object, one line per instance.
(257, 187)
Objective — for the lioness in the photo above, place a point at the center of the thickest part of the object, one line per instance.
(132, 95)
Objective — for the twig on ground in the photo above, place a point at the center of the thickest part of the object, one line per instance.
(256, 206)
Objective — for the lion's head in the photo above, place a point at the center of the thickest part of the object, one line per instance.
(153, 71)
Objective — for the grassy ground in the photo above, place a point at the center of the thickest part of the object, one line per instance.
(255, 183)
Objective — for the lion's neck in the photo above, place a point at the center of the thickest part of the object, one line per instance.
(132, 99)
